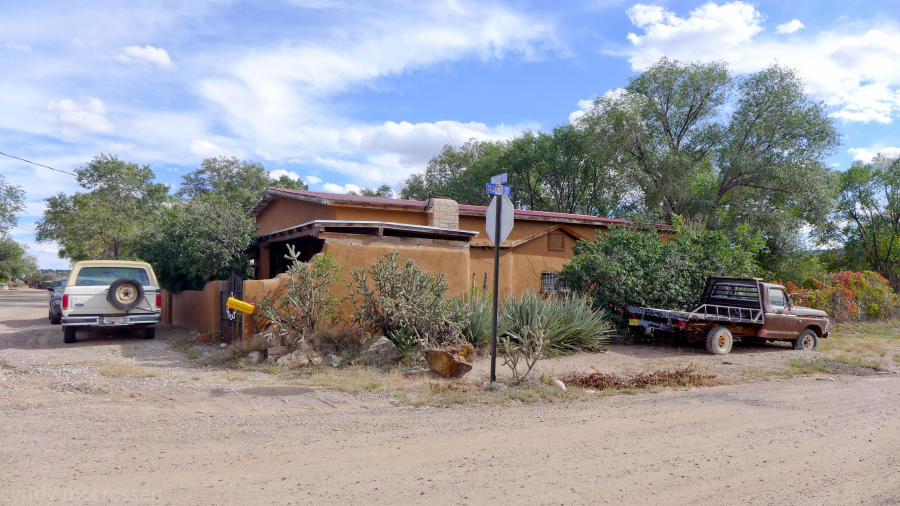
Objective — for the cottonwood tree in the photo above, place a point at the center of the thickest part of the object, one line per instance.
(232, 181)
(119, 203)
(867, 216)
(11, 202)
(383, 191)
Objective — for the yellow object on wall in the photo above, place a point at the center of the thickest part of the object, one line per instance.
(239, 305)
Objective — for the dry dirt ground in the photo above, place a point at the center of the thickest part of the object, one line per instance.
(116, 419)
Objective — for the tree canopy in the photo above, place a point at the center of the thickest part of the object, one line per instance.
(119, 203)
(11, 202)
(234, 181)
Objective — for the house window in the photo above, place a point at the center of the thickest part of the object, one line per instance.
(550, 283)
(556, 241)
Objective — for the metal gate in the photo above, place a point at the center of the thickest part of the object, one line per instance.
(230, 320)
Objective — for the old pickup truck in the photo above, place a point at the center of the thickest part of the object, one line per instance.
(111, 293)
(733, 309)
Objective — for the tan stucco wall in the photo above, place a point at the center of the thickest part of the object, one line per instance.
(194, 309)
(418, 217)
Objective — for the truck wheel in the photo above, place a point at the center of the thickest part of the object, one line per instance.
(68, 334)
(807, 341)
(149, 333)
(719, 340)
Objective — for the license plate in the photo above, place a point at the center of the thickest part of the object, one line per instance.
(115, 320)
(633, 322)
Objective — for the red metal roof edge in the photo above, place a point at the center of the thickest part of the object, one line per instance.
(362, 199)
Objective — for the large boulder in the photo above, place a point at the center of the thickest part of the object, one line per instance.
(451, 361)
(381, 351)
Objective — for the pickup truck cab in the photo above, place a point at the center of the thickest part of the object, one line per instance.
(110, 293)
(738, 309)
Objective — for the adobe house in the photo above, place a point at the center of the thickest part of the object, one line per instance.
(439, 234)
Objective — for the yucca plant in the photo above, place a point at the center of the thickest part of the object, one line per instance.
(568, 324)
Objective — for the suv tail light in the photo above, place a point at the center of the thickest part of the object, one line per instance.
(158, 299)
(65, 301)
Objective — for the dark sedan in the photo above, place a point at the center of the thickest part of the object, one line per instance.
(56, 294)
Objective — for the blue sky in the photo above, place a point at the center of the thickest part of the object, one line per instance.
(344, 93)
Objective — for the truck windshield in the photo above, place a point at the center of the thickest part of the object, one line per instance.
(97, 276)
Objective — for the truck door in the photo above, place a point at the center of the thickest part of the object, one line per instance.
(779, 321)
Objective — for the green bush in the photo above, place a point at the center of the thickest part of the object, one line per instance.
(389, 297)
(634, 266)
(307, 303)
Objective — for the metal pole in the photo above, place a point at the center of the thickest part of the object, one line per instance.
(496, 288)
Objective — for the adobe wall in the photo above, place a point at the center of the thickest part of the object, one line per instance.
(194, 309)
(416, 217)
(349, 254)
(286, 213)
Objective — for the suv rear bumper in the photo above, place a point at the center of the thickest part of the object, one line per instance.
(111, 320)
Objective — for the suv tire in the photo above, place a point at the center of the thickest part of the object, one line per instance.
(149, 333)
(68, 335)
(807, 341)
(125, 293)
(719, 340)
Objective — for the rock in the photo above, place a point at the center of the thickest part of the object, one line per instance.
(253, 358)
(332, 360)
(381, 351)
(223, 345)
(295, 359)
(559, 384)
(314, 357)
(451, 361)
(275, 352)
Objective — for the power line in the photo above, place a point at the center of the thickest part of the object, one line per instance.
(38, 164)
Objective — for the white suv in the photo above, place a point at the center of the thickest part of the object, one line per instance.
(111, 293)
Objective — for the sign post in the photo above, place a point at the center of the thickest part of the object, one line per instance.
(498, 224)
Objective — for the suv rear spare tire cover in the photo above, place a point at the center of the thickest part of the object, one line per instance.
(125, 293)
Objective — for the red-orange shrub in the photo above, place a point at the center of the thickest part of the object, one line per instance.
(850, 295)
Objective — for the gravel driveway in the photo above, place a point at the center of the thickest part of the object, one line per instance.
(117, 419)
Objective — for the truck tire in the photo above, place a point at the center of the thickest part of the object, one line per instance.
(125, 293)
(149, 333)
(719, 340)
(68, 335)
(806, 341)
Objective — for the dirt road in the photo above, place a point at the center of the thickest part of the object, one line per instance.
(115, 419)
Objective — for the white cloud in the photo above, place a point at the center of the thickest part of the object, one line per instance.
(311, 180)
(583, 106)
(852, 68)
(867, 154)
(277, 173)
(336, 188)
(146, 54)
(789, 27)
(25, 48)
(207, 149)
(77, 118)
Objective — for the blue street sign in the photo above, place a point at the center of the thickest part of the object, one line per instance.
(496, 189)
(499, 179)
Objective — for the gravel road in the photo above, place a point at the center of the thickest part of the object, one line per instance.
(116, 419)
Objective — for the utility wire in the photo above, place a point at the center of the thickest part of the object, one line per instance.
(38, 164)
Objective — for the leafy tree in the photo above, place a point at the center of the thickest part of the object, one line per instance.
(10, 259)
(459, 173)
(11, 202)
(121, 201)
(867, 217)
(232, 180)
(197, 241)
(384, 191)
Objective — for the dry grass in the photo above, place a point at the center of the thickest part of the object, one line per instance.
(864, 344)
(674, 378)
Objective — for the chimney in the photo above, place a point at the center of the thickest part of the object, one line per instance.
(442, 212)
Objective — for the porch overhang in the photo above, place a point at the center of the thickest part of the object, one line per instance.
(316, 228)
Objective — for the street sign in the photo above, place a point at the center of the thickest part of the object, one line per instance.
(499, 179)
(506, 218)
(496, 189)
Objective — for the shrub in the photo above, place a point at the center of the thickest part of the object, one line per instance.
(346, 342)
(527, 343)
(389, 297)
(850, 295)
(308, 300)
(633, 266)
(477, 327)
